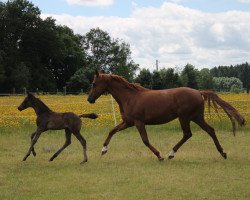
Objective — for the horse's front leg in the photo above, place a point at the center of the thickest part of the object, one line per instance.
(33, 142)
(116, 129)
(144, 136)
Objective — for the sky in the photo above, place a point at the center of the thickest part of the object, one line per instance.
(204, 33)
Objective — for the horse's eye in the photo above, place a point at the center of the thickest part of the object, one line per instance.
(93, 84)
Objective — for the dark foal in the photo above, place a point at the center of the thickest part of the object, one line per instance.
(140, 107)
(49, 120)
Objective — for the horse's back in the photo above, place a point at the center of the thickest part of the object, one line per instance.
(161, 106)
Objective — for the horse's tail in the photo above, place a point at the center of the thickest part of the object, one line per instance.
(90, 115)
(231, 112)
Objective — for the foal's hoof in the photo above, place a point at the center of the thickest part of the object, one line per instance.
(224, 155)
(160, 159)
(170, 157)
(83, 162)
(24, 159)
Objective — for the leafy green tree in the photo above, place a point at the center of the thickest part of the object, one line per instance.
(157, 83)
(111, 55)
(244, 75)
(205, 79)
(20, 77)
(226, 84)
(189, 76)
(144, 78)
(169, 78)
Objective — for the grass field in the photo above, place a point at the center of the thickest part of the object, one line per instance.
(129, 170)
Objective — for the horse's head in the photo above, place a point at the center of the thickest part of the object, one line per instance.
(99, 86)
(27, 102)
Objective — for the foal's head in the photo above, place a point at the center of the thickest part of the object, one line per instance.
(99, 86)
(27, 102)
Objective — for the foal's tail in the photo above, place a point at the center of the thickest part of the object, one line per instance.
(90, 115)
(231, 112)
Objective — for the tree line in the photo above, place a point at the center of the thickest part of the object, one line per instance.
(223, 78)
(37, 54)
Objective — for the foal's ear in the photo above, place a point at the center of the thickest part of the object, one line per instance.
(96, 73)
(30, 95)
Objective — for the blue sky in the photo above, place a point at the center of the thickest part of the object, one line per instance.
(205, 33)
(124, 8)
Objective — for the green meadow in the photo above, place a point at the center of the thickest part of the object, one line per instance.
(129, 170)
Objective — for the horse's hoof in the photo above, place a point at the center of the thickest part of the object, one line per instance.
(160, 159)
(24, 159)
(51, 159)
(170, 157)
(34, 154)
(224, 155)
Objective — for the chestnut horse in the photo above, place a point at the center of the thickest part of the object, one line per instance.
(140, 106)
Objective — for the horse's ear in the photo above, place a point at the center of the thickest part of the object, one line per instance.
(96, 73)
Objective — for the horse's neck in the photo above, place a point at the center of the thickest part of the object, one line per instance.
(121, 93)
(40, 108)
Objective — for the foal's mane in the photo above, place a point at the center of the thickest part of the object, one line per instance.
(42, 106)
(126, 84)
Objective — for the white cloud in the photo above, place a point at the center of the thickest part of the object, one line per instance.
(175, 35)
(244, 1)
(91, 2)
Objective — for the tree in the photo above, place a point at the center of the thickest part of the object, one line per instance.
(244, 75)
(189, 76)
(226, 84)
(205, 79)
(144, 78)
(110, 55)
(20, 77)
(157, 83)
(241, 71)
(169, 78)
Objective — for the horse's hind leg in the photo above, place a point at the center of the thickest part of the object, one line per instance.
(203, 124)
(67, 143)
(185, 125)
(33, 149)
(84, 145)
(144, 136)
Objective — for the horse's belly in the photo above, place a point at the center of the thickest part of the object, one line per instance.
(153, 120)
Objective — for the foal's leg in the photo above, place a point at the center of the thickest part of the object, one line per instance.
(185, 125)
(33, 142)
(116, 129)
(33, 149)
(83, 142)
(141, 128)
(67, 143)
(203, 124)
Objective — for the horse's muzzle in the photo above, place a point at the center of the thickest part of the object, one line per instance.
(91, 99)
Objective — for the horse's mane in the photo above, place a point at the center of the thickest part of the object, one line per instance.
(125, 83)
